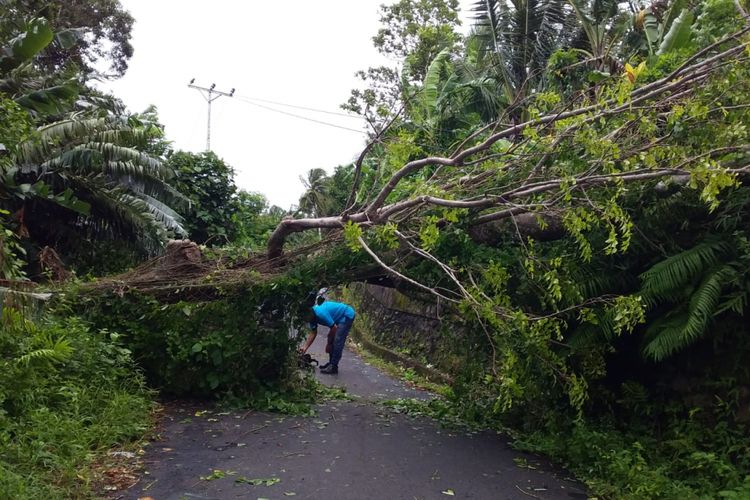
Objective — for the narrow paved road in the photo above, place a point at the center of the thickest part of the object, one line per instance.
(351, 450)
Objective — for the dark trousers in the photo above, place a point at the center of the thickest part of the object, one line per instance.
(338, 342)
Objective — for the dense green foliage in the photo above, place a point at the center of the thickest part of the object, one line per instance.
(101, 28)
(66, 392)
(235, 344)
(74, 172)
(80, 175)
(217, 213)
(76, 168)
(238, 342)
(254, 220)
(208, 183)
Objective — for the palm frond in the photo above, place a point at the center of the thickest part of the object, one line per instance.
(135, 212)
(54, 136)
(519, 36)
(487, 19)
(736, 302)
(166, 193)
(83, 160)
(117, 213)
(115, 153)
(97, 158)
(170, 219)
(123, 135)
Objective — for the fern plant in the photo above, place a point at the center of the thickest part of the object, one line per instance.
(27, 342)
(692, 288)
(53, 350)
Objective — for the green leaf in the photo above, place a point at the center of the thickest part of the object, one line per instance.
(68, 200)
(429, 233)
(352, 233)
(430, 91)
(679, 33)
(37, 37)
(597, 76)
(651, 29)
(50, 100)
(675, 9)
(258, 482)
(217, 474)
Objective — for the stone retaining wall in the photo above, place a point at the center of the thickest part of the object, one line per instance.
(404, 324)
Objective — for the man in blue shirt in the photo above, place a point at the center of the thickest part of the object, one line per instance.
(339, 318)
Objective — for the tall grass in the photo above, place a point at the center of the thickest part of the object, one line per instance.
(67, 394)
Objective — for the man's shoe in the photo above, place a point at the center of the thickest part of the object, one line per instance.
(330, 370)
(325, 365)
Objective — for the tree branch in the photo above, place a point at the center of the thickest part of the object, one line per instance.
(681, 82)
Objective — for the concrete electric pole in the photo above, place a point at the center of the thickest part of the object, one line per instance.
(210, 95)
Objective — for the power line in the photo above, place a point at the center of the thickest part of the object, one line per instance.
(301, 117)
(301, 107)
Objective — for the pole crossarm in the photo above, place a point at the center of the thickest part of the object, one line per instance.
(210, 94)
(211, 91)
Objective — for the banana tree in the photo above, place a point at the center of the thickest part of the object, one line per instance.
(665, 28)
(456, 96)
(423, 100)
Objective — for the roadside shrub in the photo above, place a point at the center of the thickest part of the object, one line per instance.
(66, 392)
(197, 348)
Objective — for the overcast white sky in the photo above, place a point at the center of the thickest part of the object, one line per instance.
(296, 52)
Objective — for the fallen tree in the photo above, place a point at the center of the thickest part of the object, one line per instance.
(575, 254)
(573, 167)
(577, 165)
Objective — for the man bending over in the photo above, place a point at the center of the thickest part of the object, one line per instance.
(339, 318)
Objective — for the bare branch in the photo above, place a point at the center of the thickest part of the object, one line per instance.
(358, 164)
(397, 274)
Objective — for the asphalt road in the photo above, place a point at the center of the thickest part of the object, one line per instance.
(350, 450)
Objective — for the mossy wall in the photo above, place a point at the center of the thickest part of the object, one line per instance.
(415, 328)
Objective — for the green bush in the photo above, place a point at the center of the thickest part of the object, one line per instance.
(66, 392)
(199, 348)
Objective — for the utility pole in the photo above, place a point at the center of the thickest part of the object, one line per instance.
(210, 95)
